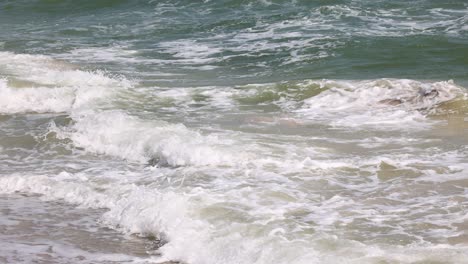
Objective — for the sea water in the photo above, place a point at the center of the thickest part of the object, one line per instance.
(231, 131)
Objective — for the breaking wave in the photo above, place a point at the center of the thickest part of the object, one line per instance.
(37, 83)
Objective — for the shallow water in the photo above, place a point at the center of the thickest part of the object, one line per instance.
(35, 231)
(233, 131)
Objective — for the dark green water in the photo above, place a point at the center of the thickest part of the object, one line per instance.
(238, 42)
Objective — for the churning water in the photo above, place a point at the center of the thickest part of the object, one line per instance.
(233, 131)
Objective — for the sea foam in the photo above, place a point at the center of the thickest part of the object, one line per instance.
(155, 142)
(384, 103)
(36, 83)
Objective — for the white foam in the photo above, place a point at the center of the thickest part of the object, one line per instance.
(304, 38)
(365, 103)
(191, 52)
(118, 134)
(391, 22)
(52, 86)
(108, 54)
(303, 35)
(144, 211)
(234, 197)
(214, 96)
(40, 99)
(193, 221)
(379, 104)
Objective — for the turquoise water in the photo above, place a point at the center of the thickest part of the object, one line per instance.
(234, 131)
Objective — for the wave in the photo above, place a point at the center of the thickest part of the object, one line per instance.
(382, 103)
(40, 99)
(233, 197)
(162, 213)
(40, 84)
(158, 143)
(37, 83)
(193, 220)
(93, 100)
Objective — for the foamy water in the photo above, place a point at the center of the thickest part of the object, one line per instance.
(251, 133)
(340, 175)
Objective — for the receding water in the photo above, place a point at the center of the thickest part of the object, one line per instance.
(233, 131)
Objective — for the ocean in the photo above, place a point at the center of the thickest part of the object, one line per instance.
(234, 131)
